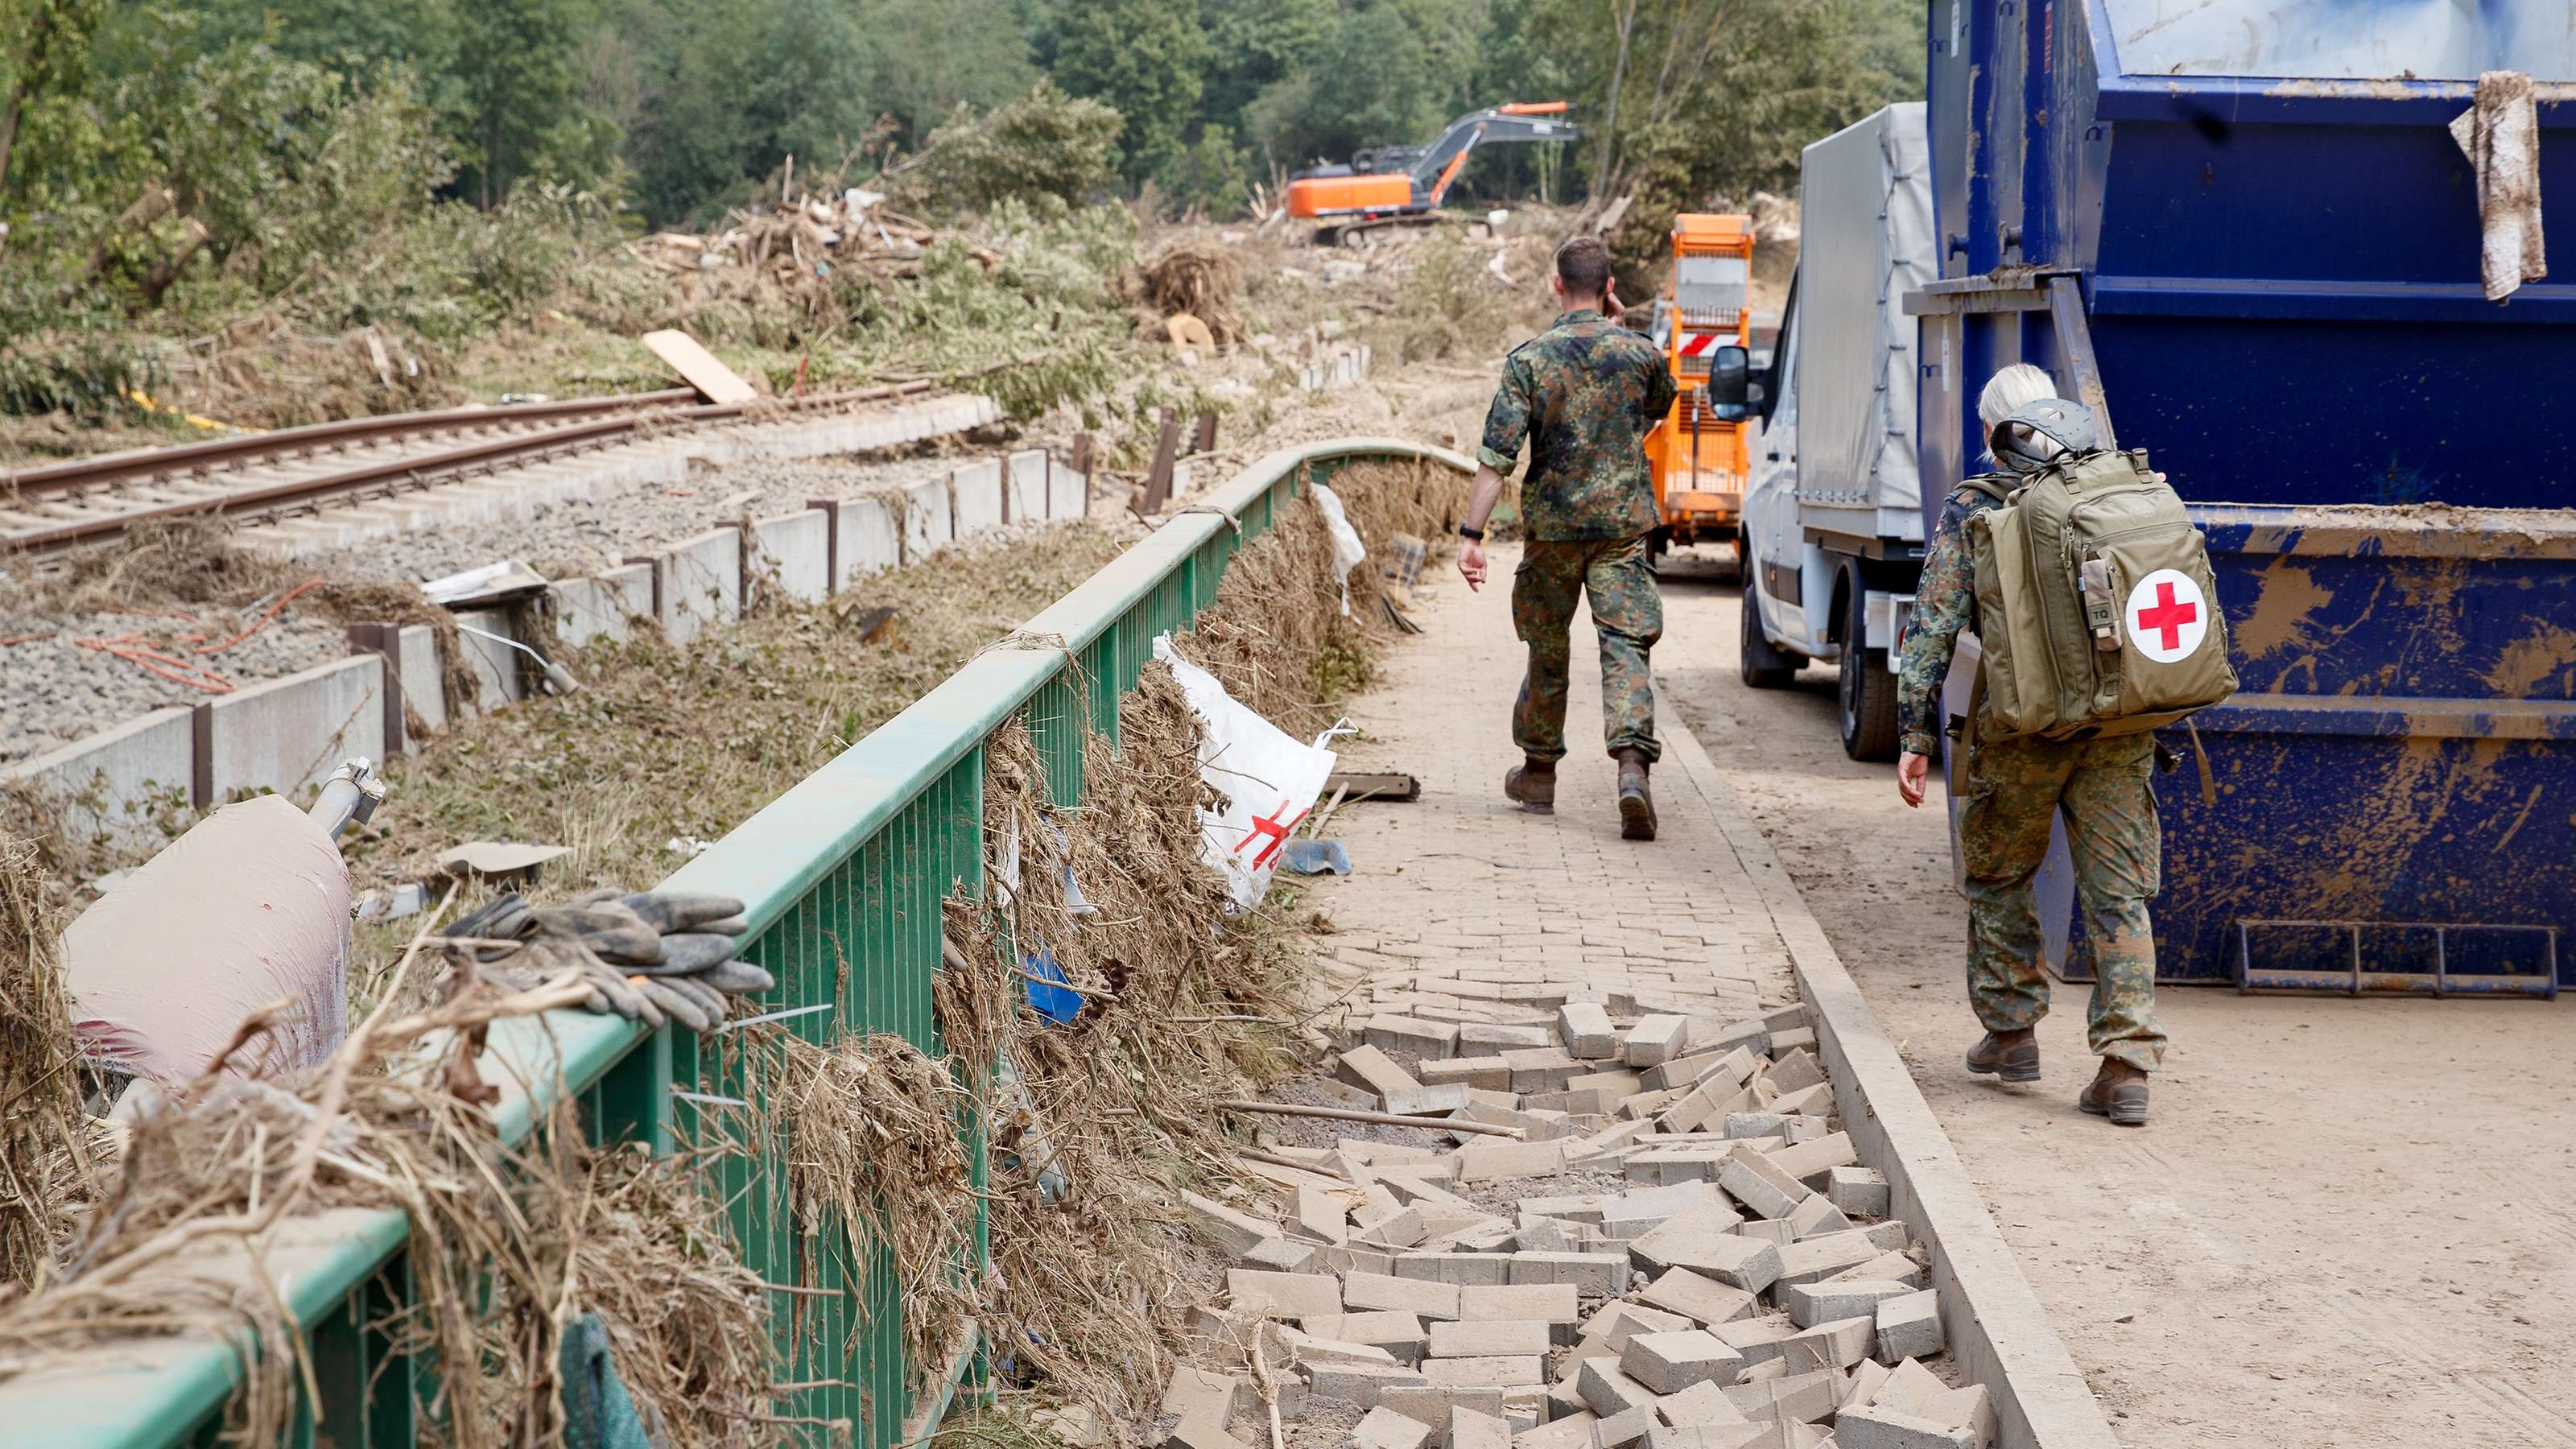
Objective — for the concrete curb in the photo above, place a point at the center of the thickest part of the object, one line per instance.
(1991, 1318)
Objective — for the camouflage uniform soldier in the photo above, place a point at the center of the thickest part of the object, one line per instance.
(2015, 785)
(1583, 394)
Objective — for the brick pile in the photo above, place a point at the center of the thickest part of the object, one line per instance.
(1674, 1248)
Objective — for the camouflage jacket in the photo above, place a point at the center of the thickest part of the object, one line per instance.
(1584, 393)
(1945, 602)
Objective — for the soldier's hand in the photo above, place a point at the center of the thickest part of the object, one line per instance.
(1471, 563)
(1611, 307)
(1912, 770)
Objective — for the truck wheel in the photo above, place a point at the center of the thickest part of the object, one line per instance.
(1761, 664)
(1866, 702)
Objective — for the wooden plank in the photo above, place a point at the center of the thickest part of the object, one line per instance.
(1372, 785)
(698, 367)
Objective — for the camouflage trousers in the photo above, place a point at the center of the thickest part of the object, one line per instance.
(2014, 787)
(1627, 610)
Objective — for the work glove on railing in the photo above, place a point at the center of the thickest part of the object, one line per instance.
(651, 957)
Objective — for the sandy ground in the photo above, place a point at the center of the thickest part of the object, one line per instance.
(2350, 1223)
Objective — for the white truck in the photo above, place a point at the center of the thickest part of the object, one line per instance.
(1832, 539)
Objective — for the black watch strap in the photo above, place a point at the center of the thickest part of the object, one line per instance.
(1477, 534)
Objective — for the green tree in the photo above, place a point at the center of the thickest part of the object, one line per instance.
(1211, 174)
(522, 103)
(949, 55)
(1046, 143)
(725, 94)
(47, 59)
(1142, 57)
(1390, 72)
(1255, 44)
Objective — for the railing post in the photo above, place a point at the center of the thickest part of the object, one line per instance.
(633, 1100)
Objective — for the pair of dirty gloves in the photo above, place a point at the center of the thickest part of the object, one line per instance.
(652, 957)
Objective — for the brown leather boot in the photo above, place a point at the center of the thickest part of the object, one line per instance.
(2011, 1055)
(1636, 801)
(2119, 1092)
(1533, 784)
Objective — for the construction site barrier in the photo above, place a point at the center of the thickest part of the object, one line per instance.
(844, 876)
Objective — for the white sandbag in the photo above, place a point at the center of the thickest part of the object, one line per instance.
(1267, 779)
(251, 905)
(1348, 551)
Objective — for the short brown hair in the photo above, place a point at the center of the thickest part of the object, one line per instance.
(1583, 263)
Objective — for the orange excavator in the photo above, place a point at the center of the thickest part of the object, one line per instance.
(1391, 186)
(1700, 459)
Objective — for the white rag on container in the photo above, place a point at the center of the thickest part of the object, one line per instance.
(2500, 134)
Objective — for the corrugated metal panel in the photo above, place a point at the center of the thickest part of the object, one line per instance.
(1865, 227)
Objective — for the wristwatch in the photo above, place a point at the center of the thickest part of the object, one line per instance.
(1477, 534)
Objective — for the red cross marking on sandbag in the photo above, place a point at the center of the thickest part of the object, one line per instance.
(1270, 825)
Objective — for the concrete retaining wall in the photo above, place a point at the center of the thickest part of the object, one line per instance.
(600, 606)
(699, 583)
(1068, 492)
(1027, 486)
(975, 497)
(106, 780)
(293, 732)
(929, 520)
(495, 664)
(290, 733)
(869, 537)
(424, 690)
(795, 550)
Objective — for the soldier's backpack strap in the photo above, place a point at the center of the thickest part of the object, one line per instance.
(1997, 486)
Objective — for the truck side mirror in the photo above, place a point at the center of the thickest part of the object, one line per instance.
(1730, 374)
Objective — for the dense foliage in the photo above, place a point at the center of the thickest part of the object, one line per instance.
(683, 107)
(433, 166)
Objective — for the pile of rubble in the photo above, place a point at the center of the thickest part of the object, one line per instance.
(803, 239)
(1652, 1234)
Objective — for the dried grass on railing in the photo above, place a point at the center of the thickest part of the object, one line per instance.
(873, 1149)
(44, 1146)
(1093, 1289)
(507, 1246)
(1276, 644)
(1093, 1293)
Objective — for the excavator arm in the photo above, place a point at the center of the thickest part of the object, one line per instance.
(1440, 164)
(1404, 185)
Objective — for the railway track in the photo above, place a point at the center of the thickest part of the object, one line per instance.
(297, 471)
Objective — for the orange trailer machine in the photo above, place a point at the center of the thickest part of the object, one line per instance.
(1699, 460)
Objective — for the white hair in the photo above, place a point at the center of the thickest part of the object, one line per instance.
(2008, 392)
(2011, 390)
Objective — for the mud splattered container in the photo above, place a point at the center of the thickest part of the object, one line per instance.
(2245, 233)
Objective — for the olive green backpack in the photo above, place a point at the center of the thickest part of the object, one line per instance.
(2096, 608)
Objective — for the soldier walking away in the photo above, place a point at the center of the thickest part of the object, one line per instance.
(2013, 786)
(1583, 394)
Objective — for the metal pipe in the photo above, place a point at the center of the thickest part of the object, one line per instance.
(352, 793)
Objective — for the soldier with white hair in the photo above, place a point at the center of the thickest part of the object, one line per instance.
(2015, 786)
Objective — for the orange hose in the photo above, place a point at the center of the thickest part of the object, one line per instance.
(27, 638)
(133, 650)
(262, 621)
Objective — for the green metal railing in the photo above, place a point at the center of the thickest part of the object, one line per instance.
(851, 865)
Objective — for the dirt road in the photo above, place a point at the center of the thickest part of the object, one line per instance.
(2350, 1224)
